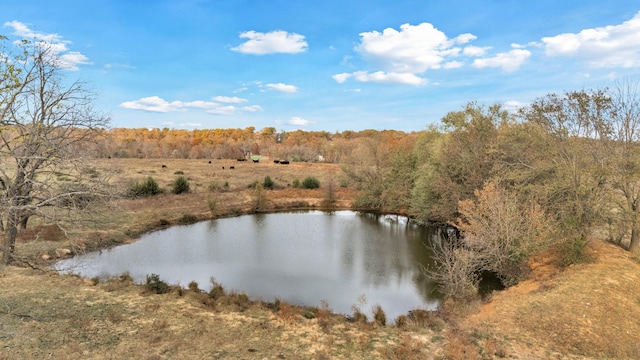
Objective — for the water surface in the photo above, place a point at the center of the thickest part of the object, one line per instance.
(298, 257)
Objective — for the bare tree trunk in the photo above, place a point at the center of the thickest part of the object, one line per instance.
(634, 245)
(11, 232)
(23, 222)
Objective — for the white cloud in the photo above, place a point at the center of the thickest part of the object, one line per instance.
(508, 61)
(608, 46)
(295, 120)
(472, 50)
(389, 78)
(513, 105)
(228, 99)
(158, 104)
(340, 78)
(453, 65)
(222, 110)
(271, 42)
(152, 103)
(252, 108)
(283, 87)
(413, 49)
(69, 60)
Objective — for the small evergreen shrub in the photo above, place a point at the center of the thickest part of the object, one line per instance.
(310, 182)
(268, 182)
(149, 187)
(180, 185)
(155, 285)
(296, 183)
(217, 291)
(213, 186)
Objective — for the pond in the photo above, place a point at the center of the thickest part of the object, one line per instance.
(343, 258)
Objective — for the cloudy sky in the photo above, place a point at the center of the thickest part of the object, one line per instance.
(327, 65)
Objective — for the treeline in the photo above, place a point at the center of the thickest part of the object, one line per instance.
(561, 170)
(308, 146)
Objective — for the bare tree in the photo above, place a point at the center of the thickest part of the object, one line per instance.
(44, 117)
(625, 163)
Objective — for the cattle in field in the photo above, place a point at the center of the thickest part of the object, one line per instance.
(164, 166)
(256, 161)
(242, 159)
(276, 161)
(209, 161)
(223, 168)
(232, 167)
(284, 162)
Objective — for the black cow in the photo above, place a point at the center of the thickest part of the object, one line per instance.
(164, 166)
(284, 162)
(232, 167)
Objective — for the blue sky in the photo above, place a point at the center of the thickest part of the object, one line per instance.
(327, 65)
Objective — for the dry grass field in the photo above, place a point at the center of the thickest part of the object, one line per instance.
(587, 311)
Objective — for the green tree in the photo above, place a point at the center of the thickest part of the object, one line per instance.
(180, 185)
(462, 164)
(577, 124)
(44, 120)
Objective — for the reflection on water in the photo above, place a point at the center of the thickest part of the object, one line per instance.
(298, 257)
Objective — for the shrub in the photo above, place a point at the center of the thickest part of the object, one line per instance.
(401, 321)
(179, 172)
(268, 183)
(213, 204)
(147, 188)
(180, 185)
(310, 182)
(193, 286)
(213, 186)
(379, 316)
(296, 183)
(188, 219)
(155, 285)
(260, 198)
(217, 291)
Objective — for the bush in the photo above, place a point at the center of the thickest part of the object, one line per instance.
(379, 315)
(310, 182)
(217, 291)
(268, 183)
(213, 204)
(179, 172)
(213, 186)
(193, 286)
(188, 219)
(147, 188)
(180, 185)
(155, 285)
(296, 183)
